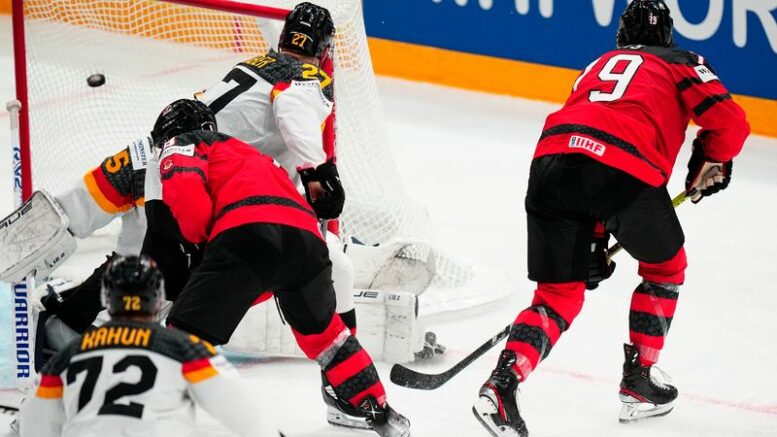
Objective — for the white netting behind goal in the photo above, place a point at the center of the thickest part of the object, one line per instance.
(153, 52)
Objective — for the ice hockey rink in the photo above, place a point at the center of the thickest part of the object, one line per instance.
(466, 156)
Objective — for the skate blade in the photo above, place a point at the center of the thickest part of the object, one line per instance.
(338, 418)
(637, 411)
(393, 430)
(483, 409)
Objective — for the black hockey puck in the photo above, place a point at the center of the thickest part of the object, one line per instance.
(95, 80)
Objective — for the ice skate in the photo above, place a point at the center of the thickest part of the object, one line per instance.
(369, 415)
(339, 412)
(384, 420)
(497, 405)
(643, 396)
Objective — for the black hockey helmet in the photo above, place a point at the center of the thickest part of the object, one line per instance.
(308, 31)
(181, 116)
(645, 22)
(132, 285)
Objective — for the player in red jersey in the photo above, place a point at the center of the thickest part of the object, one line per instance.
(259, 234)
(605, 158)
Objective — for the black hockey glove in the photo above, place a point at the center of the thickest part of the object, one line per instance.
(705, 177)
(600, 267)
(328, 199)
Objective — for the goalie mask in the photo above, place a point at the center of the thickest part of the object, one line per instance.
(180, 117)
(645, 22)
(132, 285)
(308, 31)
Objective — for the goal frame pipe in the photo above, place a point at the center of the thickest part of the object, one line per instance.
(20, 73)
(20, 65)
(235, 7)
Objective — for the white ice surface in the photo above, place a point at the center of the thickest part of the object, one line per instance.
(467, 155)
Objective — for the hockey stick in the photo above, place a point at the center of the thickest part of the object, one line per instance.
(409, 378)
(9, 410)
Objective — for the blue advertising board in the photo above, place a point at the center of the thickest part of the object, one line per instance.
(739, 37)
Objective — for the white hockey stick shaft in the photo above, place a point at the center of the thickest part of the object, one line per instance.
(23, 318)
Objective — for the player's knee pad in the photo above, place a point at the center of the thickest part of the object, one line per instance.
(671, 271)
(566, 299)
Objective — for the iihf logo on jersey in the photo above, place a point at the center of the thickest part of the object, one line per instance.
(592, 146)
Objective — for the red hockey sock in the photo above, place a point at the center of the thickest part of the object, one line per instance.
(353, 375)
(537, 328)
(652, 310)
(346, 365)
(671, 271)
(653, 305)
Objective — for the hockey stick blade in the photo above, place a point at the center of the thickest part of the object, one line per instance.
(9, 410)
(409, 378)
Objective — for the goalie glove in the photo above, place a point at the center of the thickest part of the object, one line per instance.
(323, 190)
(705, 177)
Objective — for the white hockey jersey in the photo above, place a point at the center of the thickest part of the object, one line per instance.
(277, 104)
(139, 379)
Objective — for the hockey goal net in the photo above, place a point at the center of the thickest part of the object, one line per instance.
(153, 52)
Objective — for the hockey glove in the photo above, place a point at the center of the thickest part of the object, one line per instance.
(323, 190)
(600, 267)
(705, 177)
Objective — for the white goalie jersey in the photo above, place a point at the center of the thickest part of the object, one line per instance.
(131, 378)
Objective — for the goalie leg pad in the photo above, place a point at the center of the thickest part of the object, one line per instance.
(388, 328)
(34, 238)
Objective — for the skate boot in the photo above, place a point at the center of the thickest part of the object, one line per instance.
(643, 395)
(368, 415)
(384, 420)
(338, 411)
(497, 405)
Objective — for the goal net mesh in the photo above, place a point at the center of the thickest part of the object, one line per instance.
(153, 52)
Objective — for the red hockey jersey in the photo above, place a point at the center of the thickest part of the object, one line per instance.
(630, 109)
(212, 182)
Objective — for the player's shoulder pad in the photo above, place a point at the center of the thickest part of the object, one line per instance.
(180, 346)
(671, 55)
(61, 360)
(282, 70)
(274, 67)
